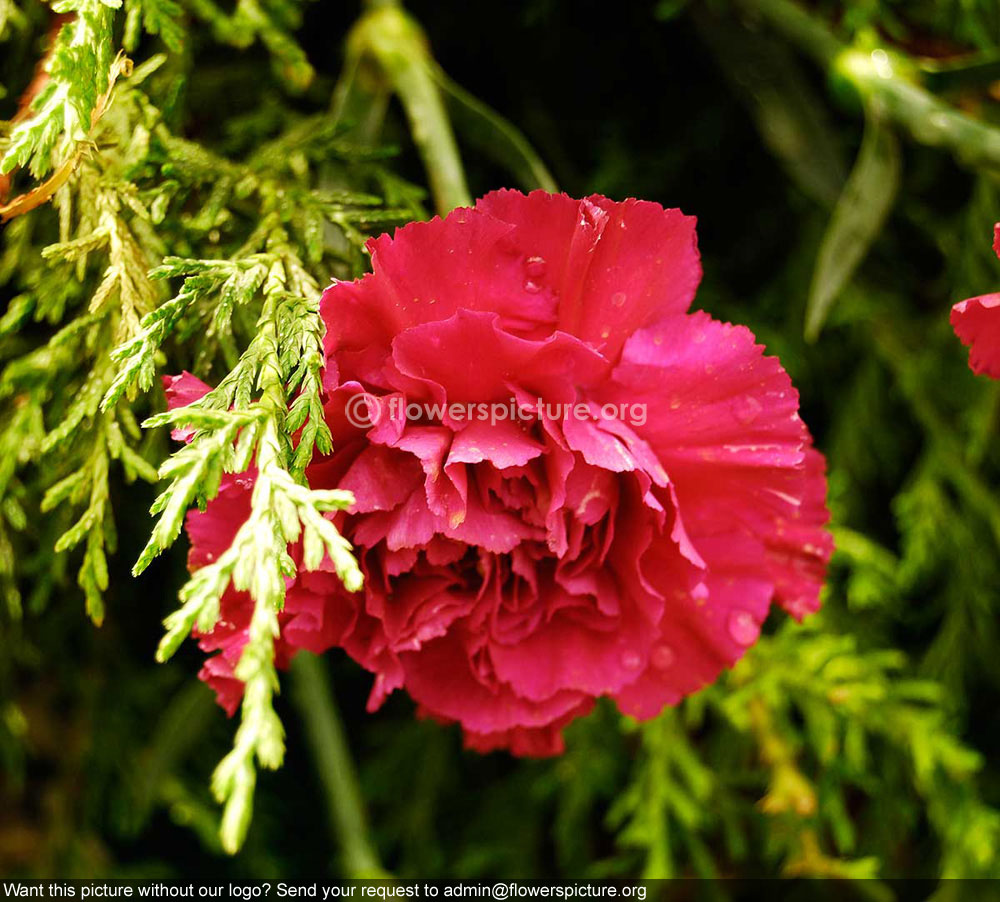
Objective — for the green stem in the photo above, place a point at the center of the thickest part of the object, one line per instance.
(313, 696)
(396, 44)
(889, 79)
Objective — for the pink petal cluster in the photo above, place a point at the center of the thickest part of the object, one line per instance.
(977, 323)
(515, 571)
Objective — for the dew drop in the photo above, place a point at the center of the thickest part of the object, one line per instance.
(881, 63)
(534, 267)
(534, 270)
(746, 409)
(939, 121)
(618, 299)
(743, 628)
(631, 660)
(662, 657)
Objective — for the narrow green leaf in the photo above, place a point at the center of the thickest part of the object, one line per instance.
(860, 212)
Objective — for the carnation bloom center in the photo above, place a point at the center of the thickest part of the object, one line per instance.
(541, 550)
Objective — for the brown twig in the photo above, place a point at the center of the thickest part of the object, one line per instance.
(43, 193)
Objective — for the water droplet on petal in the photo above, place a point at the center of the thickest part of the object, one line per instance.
(631, 660)
(618, 299)
(746, 408)
(662, 657)
(534, 270)
(743, 628)
(534, 267)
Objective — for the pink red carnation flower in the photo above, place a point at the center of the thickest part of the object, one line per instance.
(624, 535)
(977, 322)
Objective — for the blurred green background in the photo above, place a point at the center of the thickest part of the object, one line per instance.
(830, 201)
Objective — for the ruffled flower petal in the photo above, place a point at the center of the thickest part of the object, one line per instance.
(977, 323)
(615, 267)
(723, 419)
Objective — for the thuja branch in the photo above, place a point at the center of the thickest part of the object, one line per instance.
(953, 463)
(66, 105)
(128, 192)
(888, 78)
(847, 697)
(272, 392)
(61, 381)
